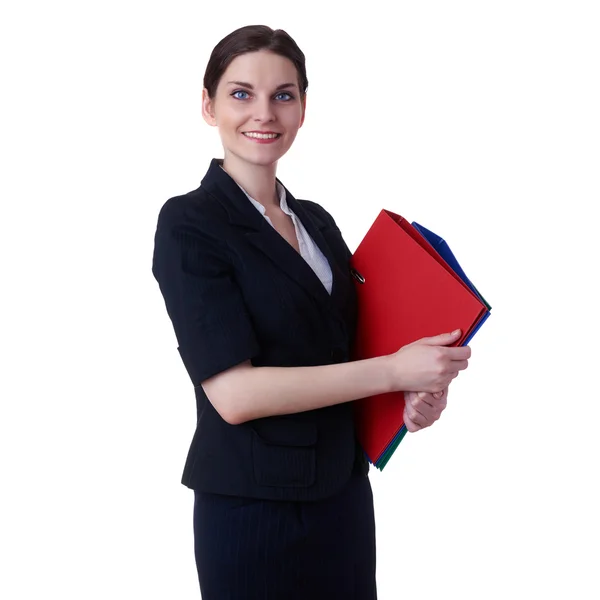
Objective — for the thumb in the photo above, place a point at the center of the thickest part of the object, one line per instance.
(443, 339)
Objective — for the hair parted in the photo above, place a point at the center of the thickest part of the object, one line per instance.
(253, 38)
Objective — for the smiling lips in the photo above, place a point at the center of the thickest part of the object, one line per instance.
(262, 137)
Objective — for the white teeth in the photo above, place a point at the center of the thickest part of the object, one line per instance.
(261, 136)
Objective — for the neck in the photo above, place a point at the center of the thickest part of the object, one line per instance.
(257, 180)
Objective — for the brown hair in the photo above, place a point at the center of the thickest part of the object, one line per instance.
(253, 38)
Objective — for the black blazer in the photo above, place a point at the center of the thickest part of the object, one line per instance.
(235, 290)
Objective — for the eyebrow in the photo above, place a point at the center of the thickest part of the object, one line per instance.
(245, 84)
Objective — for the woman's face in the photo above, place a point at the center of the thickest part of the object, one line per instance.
(257, 107)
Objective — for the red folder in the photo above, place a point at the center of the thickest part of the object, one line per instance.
(406, 291)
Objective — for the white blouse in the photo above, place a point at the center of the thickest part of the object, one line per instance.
(309, 251)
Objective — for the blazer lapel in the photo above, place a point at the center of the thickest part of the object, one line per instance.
(264, 237)
(315, 228)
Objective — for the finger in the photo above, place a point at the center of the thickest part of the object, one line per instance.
(443, 339)
(428, 398)
(442, 403)
(458, 353)
(410, 426)
(438, 399)
(459, 365)
(425, 397)
(414, 415)
(420, 411)
(413, 424)
(418, 420)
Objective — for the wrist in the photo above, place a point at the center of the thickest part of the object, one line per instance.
(392, 379)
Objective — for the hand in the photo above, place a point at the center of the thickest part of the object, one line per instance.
(422, 409)
(428, 365)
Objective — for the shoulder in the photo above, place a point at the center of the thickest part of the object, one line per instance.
(195, 211)
(192, 227)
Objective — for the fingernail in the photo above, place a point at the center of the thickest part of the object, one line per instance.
(456, 331)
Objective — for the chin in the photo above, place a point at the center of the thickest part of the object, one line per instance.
(262, 157)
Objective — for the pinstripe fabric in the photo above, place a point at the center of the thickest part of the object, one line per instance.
(235, 290)
(251, 549)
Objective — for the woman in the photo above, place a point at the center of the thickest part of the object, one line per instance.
(258, 289)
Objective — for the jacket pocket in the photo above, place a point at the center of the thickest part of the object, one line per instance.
(284, 452)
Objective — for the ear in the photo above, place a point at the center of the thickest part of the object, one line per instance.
(208, 109)
(303, 110)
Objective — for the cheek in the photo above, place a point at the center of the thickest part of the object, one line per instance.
(231, 117)
(292, 119)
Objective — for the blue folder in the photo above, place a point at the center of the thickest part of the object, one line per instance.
(442, 248)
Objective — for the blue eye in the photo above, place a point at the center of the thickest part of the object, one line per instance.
(235, 94)
(289, 96)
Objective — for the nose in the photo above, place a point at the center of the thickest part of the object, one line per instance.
(264, 112)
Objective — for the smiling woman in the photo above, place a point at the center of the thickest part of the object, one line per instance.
(258, 105)
(258, 288)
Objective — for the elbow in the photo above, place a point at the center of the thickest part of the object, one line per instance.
(230, 415)
(225, 391)
(226, 403)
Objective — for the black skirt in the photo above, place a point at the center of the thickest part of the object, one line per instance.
(251, 549)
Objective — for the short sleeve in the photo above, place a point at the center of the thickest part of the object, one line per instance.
(204, 303)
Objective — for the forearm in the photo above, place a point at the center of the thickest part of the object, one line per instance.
(246, 392)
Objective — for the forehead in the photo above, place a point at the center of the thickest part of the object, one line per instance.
(262, 69)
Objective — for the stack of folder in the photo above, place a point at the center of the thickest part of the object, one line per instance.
(409, 286)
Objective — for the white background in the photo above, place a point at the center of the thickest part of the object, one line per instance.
(478, 119)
